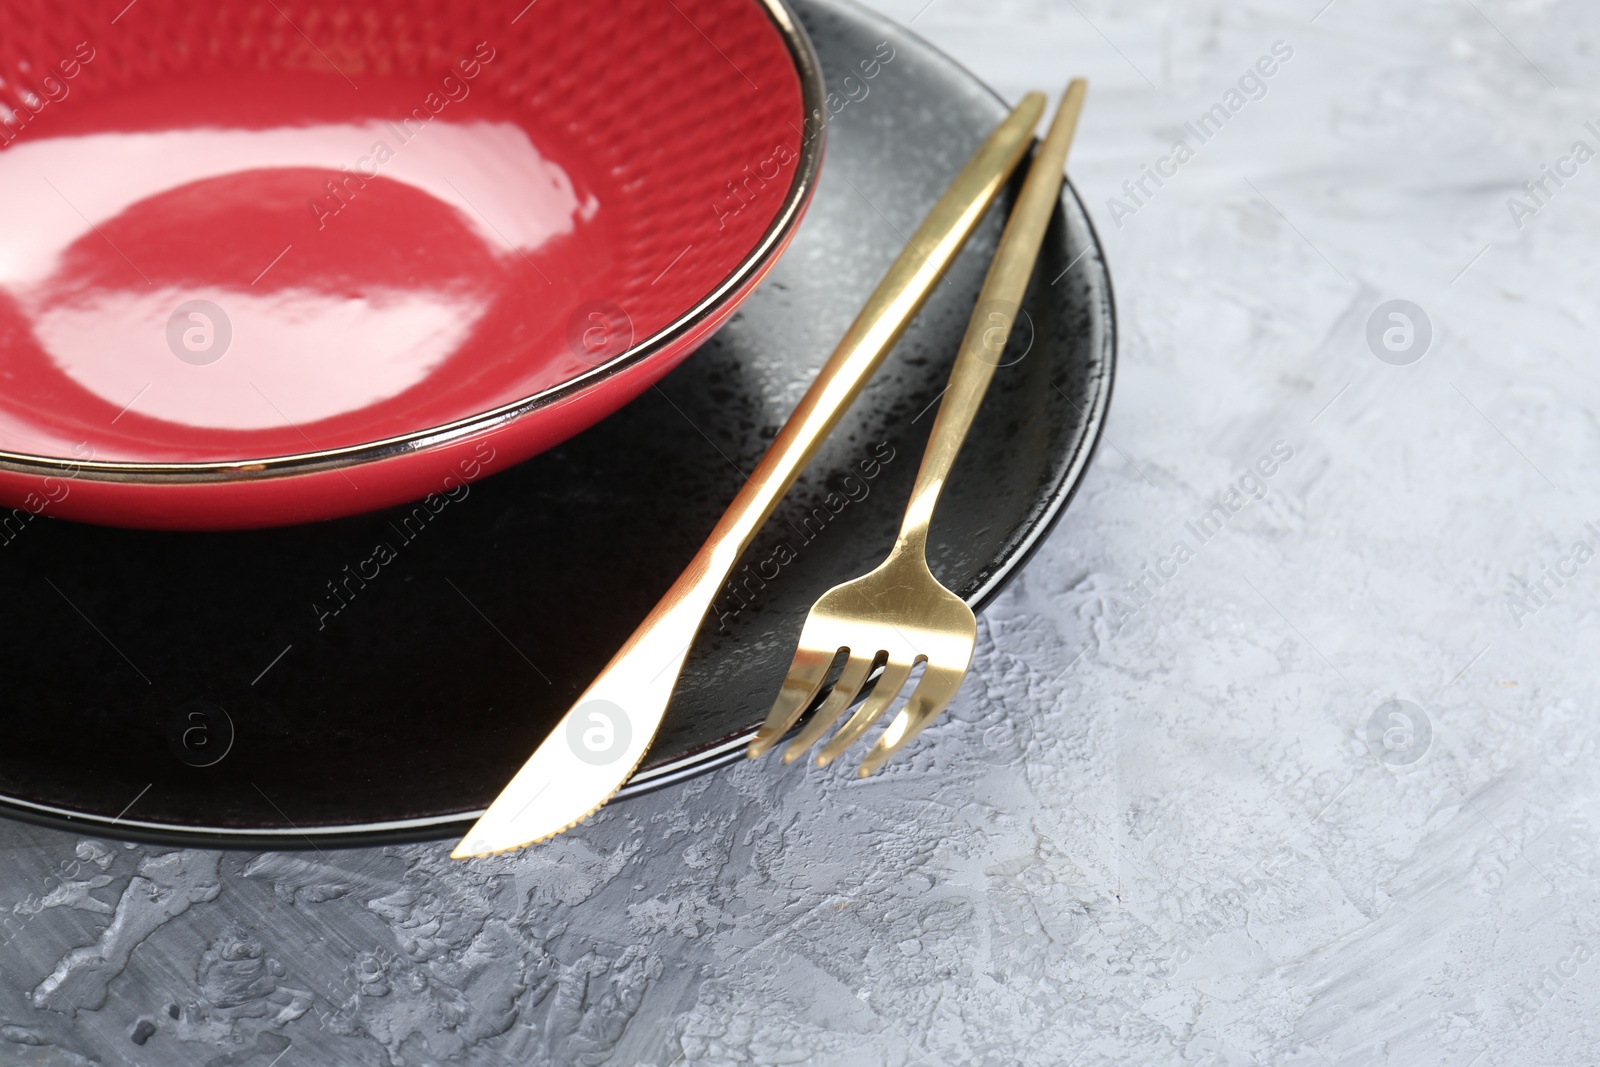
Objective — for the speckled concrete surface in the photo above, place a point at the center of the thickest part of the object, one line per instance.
(1317, 787)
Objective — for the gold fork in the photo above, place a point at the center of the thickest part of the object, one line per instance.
(899, 615)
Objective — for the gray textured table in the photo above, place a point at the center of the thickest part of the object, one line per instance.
(1313, 788)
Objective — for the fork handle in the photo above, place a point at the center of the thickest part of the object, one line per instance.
(999, 303)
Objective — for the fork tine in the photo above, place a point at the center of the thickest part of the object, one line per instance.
(806, 675)
(851, 679)
(889, 685)
(928, 701)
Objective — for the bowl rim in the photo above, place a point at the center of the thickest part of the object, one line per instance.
(813, 96)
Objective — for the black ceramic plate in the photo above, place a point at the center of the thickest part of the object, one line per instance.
(269, 688)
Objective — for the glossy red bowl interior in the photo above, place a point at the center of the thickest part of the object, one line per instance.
(271, 263)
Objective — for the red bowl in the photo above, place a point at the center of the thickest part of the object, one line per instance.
(272, 263)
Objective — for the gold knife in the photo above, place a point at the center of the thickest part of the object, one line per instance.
(601, 740)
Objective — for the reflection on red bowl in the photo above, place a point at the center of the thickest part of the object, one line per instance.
(266, 264)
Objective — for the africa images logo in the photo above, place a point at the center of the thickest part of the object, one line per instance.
(1251, 86)
(199, 332)
(1399, 332)
(598, 732)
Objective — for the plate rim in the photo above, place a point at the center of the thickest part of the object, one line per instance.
(745, 276)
